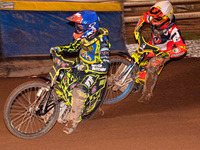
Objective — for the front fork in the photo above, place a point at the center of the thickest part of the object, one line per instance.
(44, 104)
(124, 75)
(122, 79)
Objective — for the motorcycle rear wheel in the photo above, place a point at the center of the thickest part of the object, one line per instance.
(20, 111)
(115, 96)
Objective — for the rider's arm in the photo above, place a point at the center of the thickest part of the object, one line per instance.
(103, 65)
(72, 47)
(179, 45)
(143, 19)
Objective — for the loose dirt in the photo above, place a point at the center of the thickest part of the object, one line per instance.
(170, 121)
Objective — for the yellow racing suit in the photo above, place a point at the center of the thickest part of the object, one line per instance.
(92, 64)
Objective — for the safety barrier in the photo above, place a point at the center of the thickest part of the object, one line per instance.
(30, 28)
(104, 5)
(193, 48)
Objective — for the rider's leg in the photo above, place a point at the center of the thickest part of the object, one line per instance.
(141, 75)
(151, 78)
(139, 82)
(79, 95)
(149, 85)
(65, 108)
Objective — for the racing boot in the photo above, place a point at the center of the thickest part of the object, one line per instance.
(70, 126)
(149, 85)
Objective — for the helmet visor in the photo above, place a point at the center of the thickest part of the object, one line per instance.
(158, 18)
(155, 12)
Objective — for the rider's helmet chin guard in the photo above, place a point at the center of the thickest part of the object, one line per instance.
(161, 14)
(86, 23)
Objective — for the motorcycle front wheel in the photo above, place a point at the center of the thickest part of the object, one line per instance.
(21, 110)
(117, 90)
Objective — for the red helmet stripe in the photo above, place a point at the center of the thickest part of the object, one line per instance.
(75, 18)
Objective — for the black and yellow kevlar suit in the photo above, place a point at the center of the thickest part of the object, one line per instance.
(92, 66)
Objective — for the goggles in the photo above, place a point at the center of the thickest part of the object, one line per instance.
(158, 18)
(79, 28)
(157, 14)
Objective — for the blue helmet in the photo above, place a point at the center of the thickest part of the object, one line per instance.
(86, 23)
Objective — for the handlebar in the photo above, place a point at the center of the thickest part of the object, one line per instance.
(143, 48)
(58, 63)
(61, 61)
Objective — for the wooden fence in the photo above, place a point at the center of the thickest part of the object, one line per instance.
(189, 15)
(130, 5)
(141, 3)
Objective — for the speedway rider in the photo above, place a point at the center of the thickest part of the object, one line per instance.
(167, 37)
(91, 42)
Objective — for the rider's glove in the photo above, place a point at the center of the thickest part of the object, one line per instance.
(57, 49)
(80, 67)
(136, 57)
(136, 33)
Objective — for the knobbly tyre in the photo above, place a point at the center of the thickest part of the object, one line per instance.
(33, 107)
(123, 72)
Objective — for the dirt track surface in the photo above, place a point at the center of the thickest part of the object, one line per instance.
(170, 122)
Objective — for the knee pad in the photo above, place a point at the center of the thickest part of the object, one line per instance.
(155, 62)
(80, 92)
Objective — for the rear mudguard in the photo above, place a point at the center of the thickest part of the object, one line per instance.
(40, 77)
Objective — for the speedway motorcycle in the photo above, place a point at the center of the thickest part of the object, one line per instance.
(123, 72)
(33, 107)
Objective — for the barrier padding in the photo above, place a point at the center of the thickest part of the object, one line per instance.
(33, 28)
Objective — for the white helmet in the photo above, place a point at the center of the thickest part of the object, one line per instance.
(162, 14)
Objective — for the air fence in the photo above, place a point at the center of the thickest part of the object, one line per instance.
(29, 29)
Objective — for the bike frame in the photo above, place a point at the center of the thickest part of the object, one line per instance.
(142, 49)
